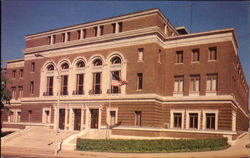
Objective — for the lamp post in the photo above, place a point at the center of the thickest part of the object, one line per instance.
(56, 120)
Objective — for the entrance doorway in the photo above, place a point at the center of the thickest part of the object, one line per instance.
(77, 120)
(94, 118)
(62, 119)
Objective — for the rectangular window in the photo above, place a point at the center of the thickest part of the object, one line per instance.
(212, 54)
(193, 120)
(212, 82)
(18, 116)
(115, 89)
(179, 57)
(63, 37)
(79, 84)
(95, 31)
(20, 91)
(159, 56)
(84, 33)
(32, 87)
(177, 120)
(13, 92)
(210, 120)
(54, 39)
(178, 84)
(21, 73)
(112, 118)
(195, 55)
(140, 54)
(78, 34)
(29, 115)
(97, 83)
(14, 73)
(32, 67)
(113, 27)
(120, 26)
(64, 85)
(49, 86)
(194, 83)
(139, 81)
(101, 30)
(11, 116)
(138, 117)
(49, 40)
(68, 36)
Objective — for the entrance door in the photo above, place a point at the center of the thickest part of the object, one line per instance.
(94, 118)
(61, 119)
(77, 121)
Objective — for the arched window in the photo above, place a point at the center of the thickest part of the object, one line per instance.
(80, 64)
(116, 60)
(50, 67)
(65, 66)
(97, 62)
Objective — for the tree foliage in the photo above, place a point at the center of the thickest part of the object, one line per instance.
(5, 93)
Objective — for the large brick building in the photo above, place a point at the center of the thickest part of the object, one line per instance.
(179, 84)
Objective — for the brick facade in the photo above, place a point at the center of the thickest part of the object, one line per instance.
(156, 103)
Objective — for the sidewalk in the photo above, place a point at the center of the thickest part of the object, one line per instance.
(238, 149)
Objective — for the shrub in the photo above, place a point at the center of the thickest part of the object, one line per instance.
(163, 145)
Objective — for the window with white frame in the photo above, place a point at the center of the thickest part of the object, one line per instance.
(18, 112)
(20, 91)
(112, 116)
(115, 88)
(212, 53)
(139, 81)
(46, 115)
(29, 115)
(179, 56)
(13, 92)
(212, 82)
(178, 84)
(138, 118)
(177, 120)
(64, 85)
(140, 54)
(79, 84)
(97, 83)
(11, 116)
(194, 83)
(50, 82)
(210, 119)
(193, 120)
(195, 55)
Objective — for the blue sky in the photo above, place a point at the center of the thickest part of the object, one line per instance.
(20, 18)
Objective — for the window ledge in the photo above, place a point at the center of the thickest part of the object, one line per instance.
(212, 60)
(179, 63)
(195, 62)
(140, 61)
(176, 94)
(211, 93)
(194, 93)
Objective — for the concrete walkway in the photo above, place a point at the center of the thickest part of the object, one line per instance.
(237, 150)
(37, 137)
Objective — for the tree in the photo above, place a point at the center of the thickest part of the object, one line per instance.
(5, 93)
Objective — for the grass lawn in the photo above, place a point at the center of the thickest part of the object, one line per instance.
(162, 145)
